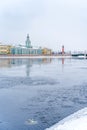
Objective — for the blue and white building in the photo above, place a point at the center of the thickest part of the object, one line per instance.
(28, 49)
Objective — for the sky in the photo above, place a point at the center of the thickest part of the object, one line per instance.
(50, 23)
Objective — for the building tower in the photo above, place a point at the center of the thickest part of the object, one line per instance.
(28, 42)
(62, 49)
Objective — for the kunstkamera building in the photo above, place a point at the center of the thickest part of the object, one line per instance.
(28, 49)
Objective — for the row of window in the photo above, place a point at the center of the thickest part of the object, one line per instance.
(25, 51)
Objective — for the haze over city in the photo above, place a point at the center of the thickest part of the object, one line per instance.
(50, 23)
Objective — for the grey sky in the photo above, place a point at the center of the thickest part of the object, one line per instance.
(50, 23)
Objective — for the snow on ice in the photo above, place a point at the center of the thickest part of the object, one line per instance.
(76, 121)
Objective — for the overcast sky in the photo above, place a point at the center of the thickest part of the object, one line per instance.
(50, 23)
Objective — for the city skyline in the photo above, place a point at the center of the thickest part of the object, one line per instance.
(50, 23)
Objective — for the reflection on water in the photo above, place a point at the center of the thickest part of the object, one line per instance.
(28, 62)
(8, 63)
(20, 61)
(37, 93)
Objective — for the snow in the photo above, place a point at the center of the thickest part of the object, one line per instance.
(76, 121)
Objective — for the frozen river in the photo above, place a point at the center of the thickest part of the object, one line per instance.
(37, 93)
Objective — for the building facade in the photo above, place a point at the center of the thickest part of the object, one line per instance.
(26, 50)
(46, 51)
(5, 49)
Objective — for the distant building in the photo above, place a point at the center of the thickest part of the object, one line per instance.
(46, 51)
(26, 50)
(5, 49)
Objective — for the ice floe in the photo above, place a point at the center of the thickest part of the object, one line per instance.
(76, 121)
(31, 122)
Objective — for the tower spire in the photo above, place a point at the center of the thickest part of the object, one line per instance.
(28, 42)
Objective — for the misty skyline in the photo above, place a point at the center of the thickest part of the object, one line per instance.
(50, 23)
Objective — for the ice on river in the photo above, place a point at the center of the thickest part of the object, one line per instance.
(76, 121)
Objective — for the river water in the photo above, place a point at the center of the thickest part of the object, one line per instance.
(37, 93)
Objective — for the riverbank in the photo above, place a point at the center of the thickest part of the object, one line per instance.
(37, 56)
